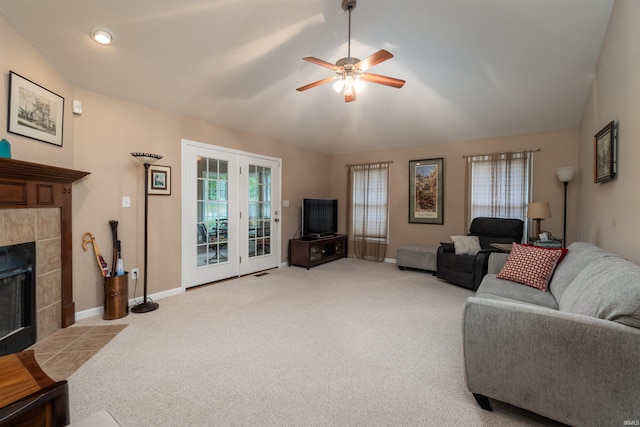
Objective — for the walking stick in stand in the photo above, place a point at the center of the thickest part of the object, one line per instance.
(114, 234)
(102, 264)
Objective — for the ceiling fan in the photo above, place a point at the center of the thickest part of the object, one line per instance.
(350, 72)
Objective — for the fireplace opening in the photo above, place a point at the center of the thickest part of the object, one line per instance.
(17, 297)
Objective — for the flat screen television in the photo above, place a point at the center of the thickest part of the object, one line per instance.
(319, 217)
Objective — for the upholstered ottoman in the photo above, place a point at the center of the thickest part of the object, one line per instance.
(420, 257)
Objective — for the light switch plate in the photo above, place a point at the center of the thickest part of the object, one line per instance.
(126, 201)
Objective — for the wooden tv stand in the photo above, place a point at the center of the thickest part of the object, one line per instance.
(309, 252)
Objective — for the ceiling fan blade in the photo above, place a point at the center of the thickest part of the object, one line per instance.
(314, 84)
(383, 80)
(371, 60)
(320, 62)
(351, 97)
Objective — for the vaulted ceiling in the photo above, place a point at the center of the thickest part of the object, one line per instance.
(474, 68)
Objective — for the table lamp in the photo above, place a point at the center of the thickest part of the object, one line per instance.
(537, 211)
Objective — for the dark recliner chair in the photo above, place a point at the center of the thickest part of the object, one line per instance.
(468, 270)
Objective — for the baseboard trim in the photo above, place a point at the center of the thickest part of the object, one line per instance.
(97, 311)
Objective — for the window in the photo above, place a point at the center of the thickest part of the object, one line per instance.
(368, 209)
(498, 185)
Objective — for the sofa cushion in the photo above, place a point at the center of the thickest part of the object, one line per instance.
(466, 245)
(505, 290)
(496, 262)
(580, 255)
(608, 288)
(530, 266)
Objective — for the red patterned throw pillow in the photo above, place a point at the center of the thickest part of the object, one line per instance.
(530, 265)
(563, 250)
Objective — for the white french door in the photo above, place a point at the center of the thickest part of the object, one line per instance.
(260, 215)
(230, 206)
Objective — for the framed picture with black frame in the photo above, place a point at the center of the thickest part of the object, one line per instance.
(159, 180)
(426, 191)
(34, 112)
(604, 154)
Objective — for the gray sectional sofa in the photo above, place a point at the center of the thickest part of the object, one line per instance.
(570, 353)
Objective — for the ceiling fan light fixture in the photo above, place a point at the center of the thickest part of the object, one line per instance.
(349, 91)
(358, 85)
(348, 81)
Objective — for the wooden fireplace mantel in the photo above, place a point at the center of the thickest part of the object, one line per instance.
(32, 185)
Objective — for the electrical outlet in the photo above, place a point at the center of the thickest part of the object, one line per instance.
(134, 273)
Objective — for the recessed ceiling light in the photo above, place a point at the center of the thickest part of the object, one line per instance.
(103, 35)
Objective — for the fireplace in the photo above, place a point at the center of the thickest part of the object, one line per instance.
(35, 206)
(17, 297)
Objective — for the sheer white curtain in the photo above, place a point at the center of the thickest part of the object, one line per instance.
(498, 185)
(368, 210)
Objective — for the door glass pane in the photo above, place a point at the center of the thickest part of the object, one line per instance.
(212, 208)
(259, 210)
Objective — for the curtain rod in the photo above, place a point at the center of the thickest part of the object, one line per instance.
(533, 150)
(373, 163)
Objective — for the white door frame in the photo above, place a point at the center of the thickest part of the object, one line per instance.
(189, 236)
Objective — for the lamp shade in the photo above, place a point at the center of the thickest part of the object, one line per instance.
(147, 157)
(566, 174)
(538, 210)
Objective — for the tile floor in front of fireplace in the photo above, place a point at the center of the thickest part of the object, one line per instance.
(63, 352)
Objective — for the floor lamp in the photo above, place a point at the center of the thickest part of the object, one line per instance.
(565, 175)
(147, 160)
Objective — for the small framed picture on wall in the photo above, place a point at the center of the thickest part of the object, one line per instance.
(604, 154)
(159, 180)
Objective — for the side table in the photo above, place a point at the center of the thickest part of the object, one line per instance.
(28, 396)
(504, 247)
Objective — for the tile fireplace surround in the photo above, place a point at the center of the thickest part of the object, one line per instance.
(35, 205)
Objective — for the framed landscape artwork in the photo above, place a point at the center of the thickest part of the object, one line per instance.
(34, 111)
(604, 154)
(160, 180)
(426, 191)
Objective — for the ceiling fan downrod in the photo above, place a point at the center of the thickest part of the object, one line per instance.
(349, 5)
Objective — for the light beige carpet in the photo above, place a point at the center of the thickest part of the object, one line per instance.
(349, 343)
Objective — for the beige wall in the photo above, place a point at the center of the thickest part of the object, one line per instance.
(106, 133)
(19, 56)
(557, 149)
(609, 211)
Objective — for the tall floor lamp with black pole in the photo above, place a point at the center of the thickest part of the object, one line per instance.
(147, 160)
(565, 175)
